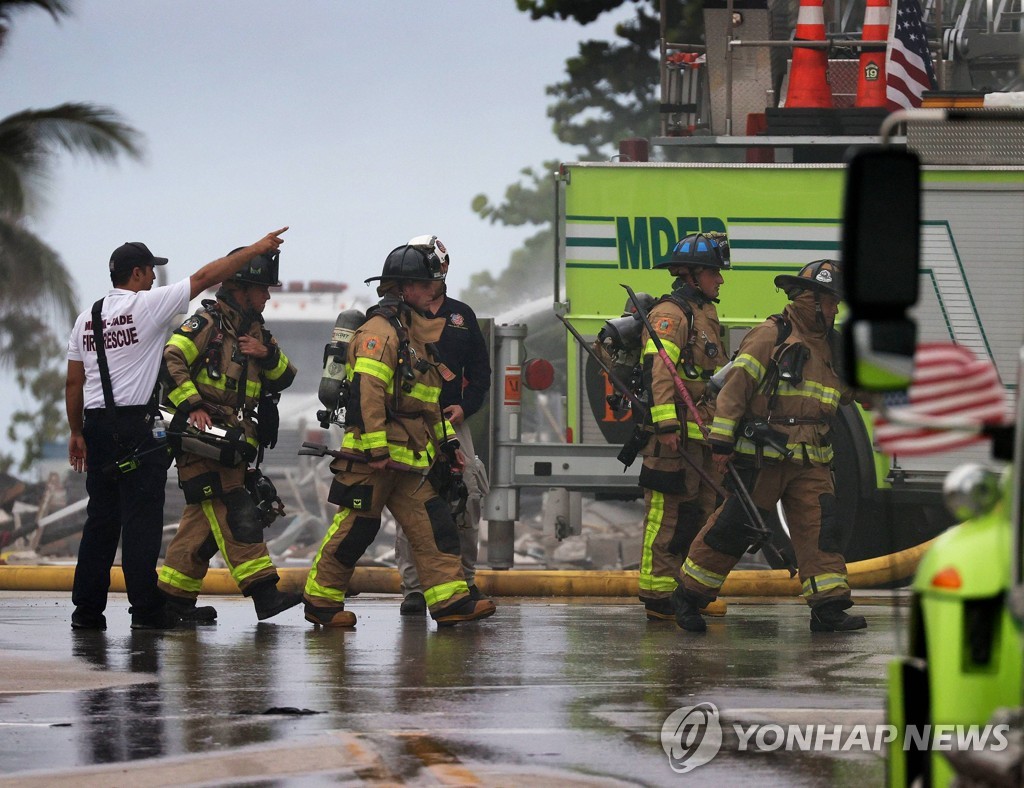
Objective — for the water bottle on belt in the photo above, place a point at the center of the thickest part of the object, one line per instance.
(159, 429)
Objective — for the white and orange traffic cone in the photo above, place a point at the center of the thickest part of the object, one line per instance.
(871, 72)
(808, 78)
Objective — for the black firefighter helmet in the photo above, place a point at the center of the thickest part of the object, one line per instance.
(821, 276)
(407, 263)
(261, 270)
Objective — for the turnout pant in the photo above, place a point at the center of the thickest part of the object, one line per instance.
(809, 502)
(361, 494)
(219, 516)
(677, 502)
(125, 507)
(475, 477)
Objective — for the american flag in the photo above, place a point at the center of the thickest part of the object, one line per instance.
(952, 394)
(908, 64)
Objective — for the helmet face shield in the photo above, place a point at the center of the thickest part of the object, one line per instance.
(432, 247)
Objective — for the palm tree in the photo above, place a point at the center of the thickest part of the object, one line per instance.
(33, 279)
(37, 299)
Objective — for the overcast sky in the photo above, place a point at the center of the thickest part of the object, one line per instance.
(359, 124)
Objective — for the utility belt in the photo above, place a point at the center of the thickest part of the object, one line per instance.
(792, 421)
(761, 434)
(134, 411)
(133, 436)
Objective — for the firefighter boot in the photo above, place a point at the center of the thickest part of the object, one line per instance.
(413, 605)
(466, 609)
(687, 606)
(186, 609)
(832, 617)
(658, 609)
(268, 601)
(662, 609)
(329, 617)
(83, 619)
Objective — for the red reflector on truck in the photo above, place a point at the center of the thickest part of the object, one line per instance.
(947, 578)
(538, 374)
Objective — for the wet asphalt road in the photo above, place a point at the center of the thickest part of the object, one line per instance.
(546, 692)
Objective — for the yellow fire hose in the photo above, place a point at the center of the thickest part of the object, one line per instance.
(872, 573)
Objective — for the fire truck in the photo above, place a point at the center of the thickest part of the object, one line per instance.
(778, 194)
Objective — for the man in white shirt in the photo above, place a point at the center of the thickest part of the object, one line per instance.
(112, 432)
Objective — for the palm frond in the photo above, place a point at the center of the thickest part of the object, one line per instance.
(30, 139)
(76, 127)
(33, 278)
(12, 192)
(55, 8)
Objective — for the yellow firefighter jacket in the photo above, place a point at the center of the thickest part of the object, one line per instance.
(696, 350)
(799, 413)
(395, 384)
(206, 366)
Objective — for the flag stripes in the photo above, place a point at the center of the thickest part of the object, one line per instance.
(952, 394)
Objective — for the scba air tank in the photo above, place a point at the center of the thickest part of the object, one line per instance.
(332, 383)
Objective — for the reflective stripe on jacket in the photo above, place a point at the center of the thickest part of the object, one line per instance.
(390, 415)
(671, 323)
(185, 362)
(811, 404)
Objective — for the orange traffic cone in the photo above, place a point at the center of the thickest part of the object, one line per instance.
(808, 81)
(871, 73)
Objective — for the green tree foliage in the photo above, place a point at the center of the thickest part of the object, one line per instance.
(611, 92)
(37, 299)
(528, 202)
(42, 378)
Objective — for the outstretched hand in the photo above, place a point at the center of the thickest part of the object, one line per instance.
(270, 242)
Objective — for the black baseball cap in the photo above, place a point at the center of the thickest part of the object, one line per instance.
(131, 254)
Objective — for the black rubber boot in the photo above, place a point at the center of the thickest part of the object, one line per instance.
(832, 617)
(413, 605)
(687, 608)
(83, 619)
(269, 601)
(660, 609)
(162, 618)
(187, 610)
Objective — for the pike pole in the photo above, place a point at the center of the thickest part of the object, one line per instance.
(741, 490)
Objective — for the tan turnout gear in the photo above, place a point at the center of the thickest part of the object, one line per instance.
(392, 414)
(677, 500)
(790, 388)
(208, 370)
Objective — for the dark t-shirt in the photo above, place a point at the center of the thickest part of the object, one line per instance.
(464, 352)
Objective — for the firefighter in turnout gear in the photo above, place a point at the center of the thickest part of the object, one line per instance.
(773, 416)
(222, 363)
(677, 499)
(398, 451)
(463, 350)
